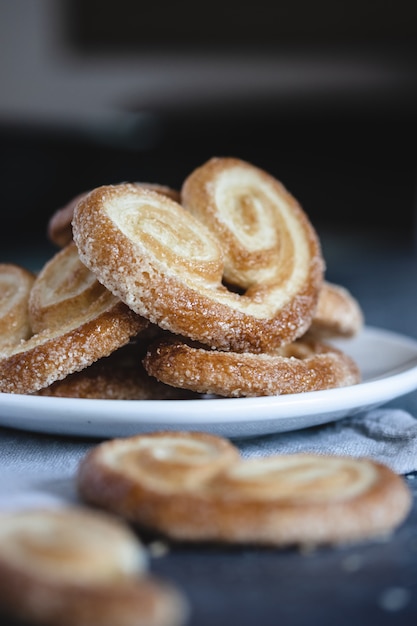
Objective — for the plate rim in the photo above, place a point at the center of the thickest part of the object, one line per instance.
(219, 411)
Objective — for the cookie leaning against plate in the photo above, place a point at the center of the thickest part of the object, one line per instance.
(338, 313)
(280, 500)
(75, 567)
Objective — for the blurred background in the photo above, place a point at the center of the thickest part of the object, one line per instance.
(321, 94)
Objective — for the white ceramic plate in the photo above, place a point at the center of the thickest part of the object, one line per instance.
(388, 363)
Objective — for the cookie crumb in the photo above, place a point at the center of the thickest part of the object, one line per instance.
(352, 563)
(394, 598)
(158, 549)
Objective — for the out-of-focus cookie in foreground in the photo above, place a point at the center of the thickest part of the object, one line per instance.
(153, 480)
(77, 567)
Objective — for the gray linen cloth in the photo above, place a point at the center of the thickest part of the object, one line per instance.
(386, 435)
(40, 470)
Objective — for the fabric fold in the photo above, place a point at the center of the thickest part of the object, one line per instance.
(385, 435)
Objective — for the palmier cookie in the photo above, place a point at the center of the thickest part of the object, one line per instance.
(304, 365)
(280, 500)
(120, 376)
(74, 567)
(15, 286)
(59, 229)
(338, 313)
(167, 265)
(63, 288)
(52, 354)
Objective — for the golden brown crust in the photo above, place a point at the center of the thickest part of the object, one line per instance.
(74, 567)
(166, 265)
(279, 500)
(338, 313)
(52, 354)
(120, 376)
(76, 322)
(15, 286)
(59, 228)
(296, 368)
(231, 262)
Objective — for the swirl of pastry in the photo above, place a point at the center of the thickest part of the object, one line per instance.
(63, 288)
(168, 461)
(309, 498)
(300, 478)
(304, 365)
(59, 228)
(338, 313)
(74, 567)
(15, 285)
(266, 236)
(166, 264)
(278, 500)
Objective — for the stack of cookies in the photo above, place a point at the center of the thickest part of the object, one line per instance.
(216, 289)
